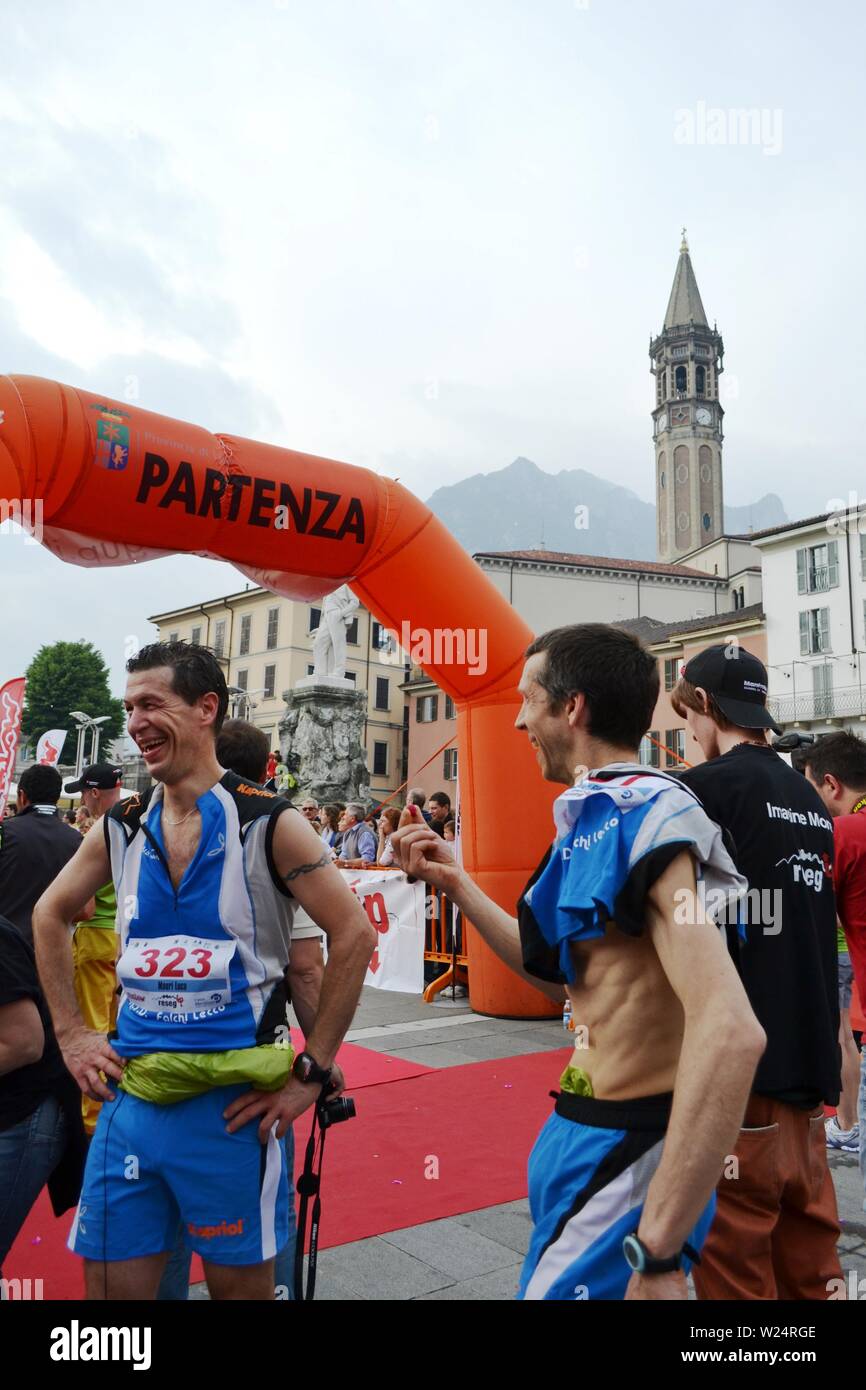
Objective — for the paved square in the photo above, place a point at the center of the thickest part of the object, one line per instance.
(478, 1254)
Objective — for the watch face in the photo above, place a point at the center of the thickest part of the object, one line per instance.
(305, 1067)
(704, 417)
(663, 422)
(633, 1253)
(307, 1070)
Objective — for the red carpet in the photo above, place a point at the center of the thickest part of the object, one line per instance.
(473, 1125)
(40, 1253)
(478, 1122)
(363, 1067)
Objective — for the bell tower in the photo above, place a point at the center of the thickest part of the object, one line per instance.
(686, 361)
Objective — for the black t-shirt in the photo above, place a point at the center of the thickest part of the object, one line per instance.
(34, 847)
(783, 844)
(23, 1090)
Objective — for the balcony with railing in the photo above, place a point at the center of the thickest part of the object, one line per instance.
(822, 577)
(845, 702)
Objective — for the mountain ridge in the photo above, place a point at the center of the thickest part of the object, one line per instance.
(521, 507)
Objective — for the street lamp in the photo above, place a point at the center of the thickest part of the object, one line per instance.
(94, 737)
(242, 701)
(85, 722)
(81, 720)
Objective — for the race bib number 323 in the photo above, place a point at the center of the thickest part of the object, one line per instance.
(176, 974)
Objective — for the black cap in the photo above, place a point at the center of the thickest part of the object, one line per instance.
(105, 776)
(737, 681)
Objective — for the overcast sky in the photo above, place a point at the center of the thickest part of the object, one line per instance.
(428, 237)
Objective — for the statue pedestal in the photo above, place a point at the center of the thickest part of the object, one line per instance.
(323, 726)
(324, 683)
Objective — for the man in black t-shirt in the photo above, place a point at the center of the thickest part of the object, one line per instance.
(776, 1227)
(40, 1122)
(34, 846)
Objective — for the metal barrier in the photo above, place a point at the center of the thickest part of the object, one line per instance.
(445, 943)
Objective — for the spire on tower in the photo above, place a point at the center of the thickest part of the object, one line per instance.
(684, 305)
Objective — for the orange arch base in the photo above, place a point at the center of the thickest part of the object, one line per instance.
(120, 485)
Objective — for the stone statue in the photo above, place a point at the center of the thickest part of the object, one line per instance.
(324, 727)
(329, 647)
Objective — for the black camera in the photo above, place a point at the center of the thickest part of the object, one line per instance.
(787, 743)
(335, 1111)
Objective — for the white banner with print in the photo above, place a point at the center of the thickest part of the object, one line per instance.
(396, 909)
(50, 746)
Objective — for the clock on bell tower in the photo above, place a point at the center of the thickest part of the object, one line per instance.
(686, 361)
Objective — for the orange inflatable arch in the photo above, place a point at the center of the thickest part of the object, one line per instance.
(119, 485)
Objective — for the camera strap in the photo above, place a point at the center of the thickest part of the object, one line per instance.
(308, 1186)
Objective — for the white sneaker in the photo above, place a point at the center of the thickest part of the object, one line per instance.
(848, 1140)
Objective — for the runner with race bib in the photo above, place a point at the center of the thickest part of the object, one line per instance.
(207, 869)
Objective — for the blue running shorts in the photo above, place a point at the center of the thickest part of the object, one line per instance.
(589, 1171)
(150, 1165)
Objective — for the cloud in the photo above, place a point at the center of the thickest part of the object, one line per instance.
(120, 227)
(293, 222)
(56, 601)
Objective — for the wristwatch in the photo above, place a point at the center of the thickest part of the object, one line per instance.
(307, 1070)
(641, 1261)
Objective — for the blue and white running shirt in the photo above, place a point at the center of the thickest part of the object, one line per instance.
(202, 967)
(616, 833)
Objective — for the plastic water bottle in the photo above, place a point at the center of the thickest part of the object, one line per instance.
(566, 1015)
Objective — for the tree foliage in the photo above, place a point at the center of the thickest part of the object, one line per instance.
(69, 676)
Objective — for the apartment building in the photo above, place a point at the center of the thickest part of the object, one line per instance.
(668, 744)
(265, 645)
(432, 735)
(814, 577)
(682, 607)
(550, 588)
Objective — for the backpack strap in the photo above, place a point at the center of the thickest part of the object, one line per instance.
(254, 802)
(128, 814)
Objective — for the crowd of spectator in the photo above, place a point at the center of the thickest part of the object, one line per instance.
(360, 838)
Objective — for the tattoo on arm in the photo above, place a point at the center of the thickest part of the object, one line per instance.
(308, 868)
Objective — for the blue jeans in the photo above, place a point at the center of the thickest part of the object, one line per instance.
(29, 1153)
(174, 1285)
